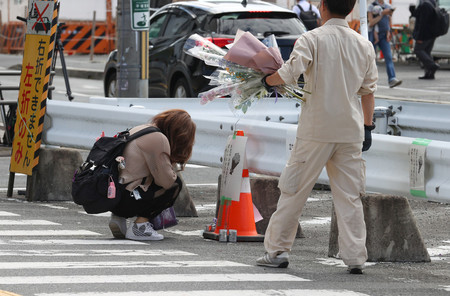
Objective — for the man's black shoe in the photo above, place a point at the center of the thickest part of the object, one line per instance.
(356, 271)
(427, 77)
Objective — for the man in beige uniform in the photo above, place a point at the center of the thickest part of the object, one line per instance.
(338, 65)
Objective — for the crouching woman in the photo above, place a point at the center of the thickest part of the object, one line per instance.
(150, 180)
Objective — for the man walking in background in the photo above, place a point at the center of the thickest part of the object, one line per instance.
(383, 20)
(422, 34)
(308, 13)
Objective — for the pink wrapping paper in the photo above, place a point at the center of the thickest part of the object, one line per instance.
(248, 51)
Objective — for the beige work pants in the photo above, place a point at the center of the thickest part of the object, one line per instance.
(346, 172)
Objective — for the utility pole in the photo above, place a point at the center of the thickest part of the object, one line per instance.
(132, 44)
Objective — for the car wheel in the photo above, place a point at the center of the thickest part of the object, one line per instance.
(110, 85)
(181, 89)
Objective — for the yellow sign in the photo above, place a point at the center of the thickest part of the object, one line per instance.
(39, 44)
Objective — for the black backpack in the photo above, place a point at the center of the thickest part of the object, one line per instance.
(95, 184)
(440, 23)
(308, 17)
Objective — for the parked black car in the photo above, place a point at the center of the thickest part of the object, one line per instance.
(172, 73)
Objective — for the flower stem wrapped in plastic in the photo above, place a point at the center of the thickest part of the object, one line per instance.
(241, 69)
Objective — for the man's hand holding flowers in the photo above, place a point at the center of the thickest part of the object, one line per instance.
(242, 73)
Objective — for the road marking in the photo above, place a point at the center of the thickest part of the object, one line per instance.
(316, 221)
(196, 166)
(154, 278)
(337, 262)
(27, 222)
(202, 185)
(205, 207)
(76, 242)
(439, 250)
(293, 292)
(107, 214)
(118, 264)
(8, 214)
(440, 253)
(91, 253)
(414, 89)
(185, 233)
(46, 232)
(51, 206)
(14, 189)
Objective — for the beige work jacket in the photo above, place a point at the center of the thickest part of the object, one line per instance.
(338, 65)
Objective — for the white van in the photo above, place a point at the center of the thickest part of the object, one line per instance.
(441, 48)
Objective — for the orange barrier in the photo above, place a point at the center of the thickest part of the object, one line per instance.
(12, 37)
(75, 37)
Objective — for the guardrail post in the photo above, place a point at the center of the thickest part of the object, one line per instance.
(392, 234)
(54, 173)
(380, 116)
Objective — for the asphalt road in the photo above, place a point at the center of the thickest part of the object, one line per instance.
(54, 248)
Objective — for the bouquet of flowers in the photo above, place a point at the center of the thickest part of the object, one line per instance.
(240, 69)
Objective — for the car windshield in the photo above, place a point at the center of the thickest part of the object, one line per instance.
(444, 4)
(259, 24)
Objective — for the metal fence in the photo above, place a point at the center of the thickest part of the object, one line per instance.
(391, 166)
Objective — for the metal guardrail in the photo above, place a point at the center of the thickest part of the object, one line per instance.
(389, 164)
(394, 117)
(270, 109)
(413, 119)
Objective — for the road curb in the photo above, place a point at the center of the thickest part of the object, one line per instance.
(72, 72)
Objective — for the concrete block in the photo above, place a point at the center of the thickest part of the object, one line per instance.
(392, 233)
(52, 179)
(265, 195)
(184, 206)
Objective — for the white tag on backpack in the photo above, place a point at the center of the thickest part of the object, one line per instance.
(136, 194)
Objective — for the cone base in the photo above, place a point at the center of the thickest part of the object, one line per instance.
(240, 238)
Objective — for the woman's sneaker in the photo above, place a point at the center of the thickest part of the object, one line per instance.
(143, 232)
(118, 226)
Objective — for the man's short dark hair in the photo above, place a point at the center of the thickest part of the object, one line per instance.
(340, 7)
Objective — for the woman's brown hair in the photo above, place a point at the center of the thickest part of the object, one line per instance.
(178, 127)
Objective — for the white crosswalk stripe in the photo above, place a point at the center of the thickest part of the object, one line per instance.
(117, 264)
(66, 260)
(144, 278)
(293, 292)
(27, 222)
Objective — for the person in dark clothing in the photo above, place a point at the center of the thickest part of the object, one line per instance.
(424, 14)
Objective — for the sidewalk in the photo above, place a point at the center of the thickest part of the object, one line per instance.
(77, 65)
(412, 88)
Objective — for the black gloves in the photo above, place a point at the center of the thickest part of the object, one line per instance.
(269, 88)
(367, 137)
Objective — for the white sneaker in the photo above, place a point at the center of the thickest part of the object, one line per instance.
(394, 82)
(118, 226)
(279, 261)
(143, 232)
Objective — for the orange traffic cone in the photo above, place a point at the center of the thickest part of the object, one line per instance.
(237, 215)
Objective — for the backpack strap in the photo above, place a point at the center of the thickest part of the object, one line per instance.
(144, 131)
(310, 7)
(301, 9)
